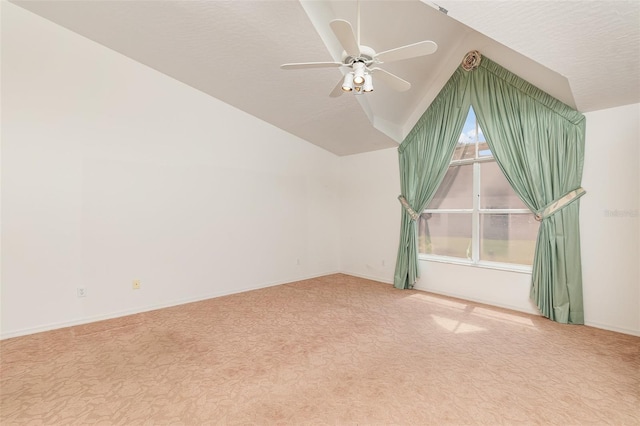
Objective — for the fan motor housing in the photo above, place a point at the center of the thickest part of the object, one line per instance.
(366, 55)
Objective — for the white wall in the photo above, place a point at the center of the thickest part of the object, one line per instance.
(112, 172)
(506, 289)
(610, 251)
(609, 219)
(370, 214)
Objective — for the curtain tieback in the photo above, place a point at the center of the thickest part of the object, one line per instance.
(411, 212)
(559, 204)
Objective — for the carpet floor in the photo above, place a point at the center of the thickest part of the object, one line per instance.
(335, 350)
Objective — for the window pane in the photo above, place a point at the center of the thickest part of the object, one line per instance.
(509, 238)
(456, 189)
(445, 234)
(464, 150)
(484, 150)
(495, 189)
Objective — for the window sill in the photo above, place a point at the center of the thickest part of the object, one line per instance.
(510, 267)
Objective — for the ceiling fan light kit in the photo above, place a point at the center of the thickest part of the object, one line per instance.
(368, 83)
(362, 60)
(359, 80)
(358, 73)
(347, 85)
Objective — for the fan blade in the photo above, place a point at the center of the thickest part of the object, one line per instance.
(337, 91)
(421, 48)
(344, 32)
(305, 65)
(392, 80)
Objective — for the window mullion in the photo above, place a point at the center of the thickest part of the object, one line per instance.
(476, 140)
(475, 226)
(505, 211)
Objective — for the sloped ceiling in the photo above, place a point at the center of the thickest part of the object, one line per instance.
(595, 44)
(232, 50)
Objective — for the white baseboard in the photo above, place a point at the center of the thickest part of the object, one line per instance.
(368, 277)
(608, 327)
(118, 314)
(112, 315)
(478, 300)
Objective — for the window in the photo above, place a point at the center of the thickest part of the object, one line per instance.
(475, 216)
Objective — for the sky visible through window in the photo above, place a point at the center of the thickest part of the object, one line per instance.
(468, 135)
(469, 130)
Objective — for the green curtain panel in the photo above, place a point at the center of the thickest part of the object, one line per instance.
(424, 159)
(538, 142)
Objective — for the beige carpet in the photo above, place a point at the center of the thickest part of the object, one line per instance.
(333, 350)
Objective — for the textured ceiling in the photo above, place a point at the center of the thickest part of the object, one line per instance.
(595, 44)
(232, 50)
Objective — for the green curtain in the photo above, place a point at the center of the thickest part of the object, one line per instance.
(538, 142)
(424, 158)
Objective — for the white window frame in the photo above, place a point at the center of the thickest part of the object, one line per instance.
(476, 212)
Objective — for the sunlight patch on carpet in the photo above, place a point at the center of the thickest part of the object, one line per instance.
(456, 326)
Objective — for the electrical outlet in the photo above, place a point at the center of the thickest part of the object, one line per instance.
(82, 292)
(136, 284)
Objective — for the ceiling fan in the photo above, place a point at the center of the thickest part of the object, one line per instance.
(362, 60)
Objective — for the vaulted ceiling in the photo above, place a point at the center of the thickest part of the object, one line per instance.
(587, 54)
